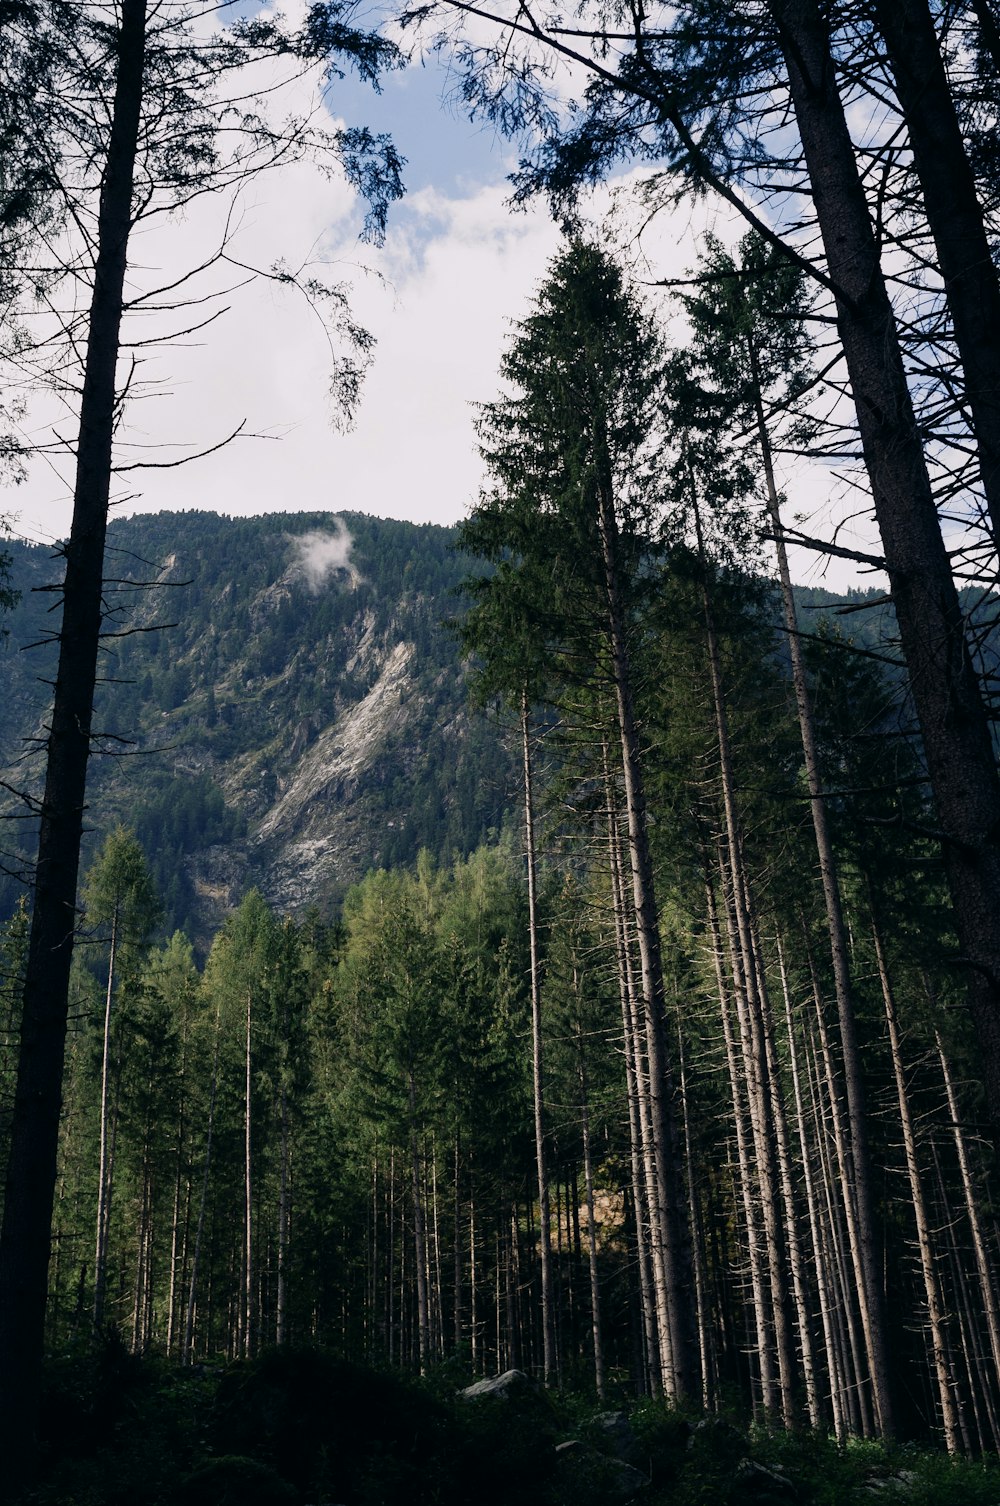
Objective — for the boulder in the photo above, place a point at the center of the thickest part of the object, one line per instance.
(513, 1383)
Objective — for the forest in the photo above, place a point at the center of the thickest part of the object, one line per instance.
(650, 1061)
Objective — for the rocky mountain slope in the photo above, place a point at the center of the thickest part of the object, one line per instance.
(282, 705)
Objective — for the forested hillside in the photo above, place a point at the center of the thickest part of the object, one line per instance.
(409, 1116)
(274, 717)
(301, 717)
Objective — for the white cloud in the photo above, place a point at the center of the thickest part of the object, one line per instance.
(439, 296)
(319, 554)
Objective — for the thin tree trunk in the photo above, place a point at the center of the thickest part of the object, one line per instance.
(473, 1280)
(176, 1285)
(672, 1233)
(977, 1380)
(103, 1188)
(762, 1111)
(588, 1183)
(284, 1208)
(857, 1157)
(700, 1293)
(745, 1161)
(852, 1295)
(437, 1306)
(800, 1289)
(392, 1349)
(419, 1235)
(537, 1075)
(819, 1261)
(940, 1346)
(196, 1256)
(457, 1219)
(987, 1283)
(651, 1284)
(247, 1305)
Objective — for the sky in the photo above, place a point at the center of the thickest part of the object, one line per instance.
(457, 267)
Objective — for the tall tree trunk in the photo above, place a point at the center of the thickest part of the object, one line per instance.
(800, 1287)
(588, 1183)
(673, 1232)
(103, 1187)
(750, 1006)
(987, 1280)
(457, 1247)
(31, 1172)
(955, 216)
(196, 1254)
(652, 1283)
(853, 1296)
(284, 1208)
(179, 1182)
(857, 1157)
(419, 1234)
(940, 1346)
(976, 1376)
(812, 1207)
(705, 1357)
(246, 1324)
(537, 1074)
(953, 723)
(763, 1347)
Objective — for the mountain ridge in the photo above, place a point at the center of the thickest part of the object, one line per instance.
(302, 716)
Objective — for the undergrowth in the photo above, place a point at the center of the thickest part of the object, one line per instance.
(304, 1427)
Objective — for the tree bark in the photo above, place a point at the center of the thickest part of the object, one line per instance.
(955, 217)
(203, 1202)
(673, 1232)
(987, 1283)
(637, 1141)
(103, 1188)
(537, 1075)
(819, 1261)
(588, 1183)
(31, 1174)
(940, 1346)
(419, 1233)
(950, 711)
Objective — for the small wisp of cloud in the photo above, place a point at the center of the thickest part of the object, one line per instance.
(320, 555)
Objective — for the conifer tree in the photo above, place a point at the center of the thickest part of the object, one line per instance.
(144, 133)
(574, 453)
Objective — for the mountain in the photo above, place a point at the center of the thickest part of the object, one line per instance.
(281, 704)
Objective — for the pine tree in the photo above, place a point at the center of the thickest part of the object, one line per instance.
(574, 455)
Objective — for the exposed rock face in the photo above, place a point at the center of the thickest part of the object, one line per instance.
(308, 838)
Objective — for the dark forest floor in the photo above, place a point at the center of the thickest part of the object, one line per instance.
(302, 1427)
